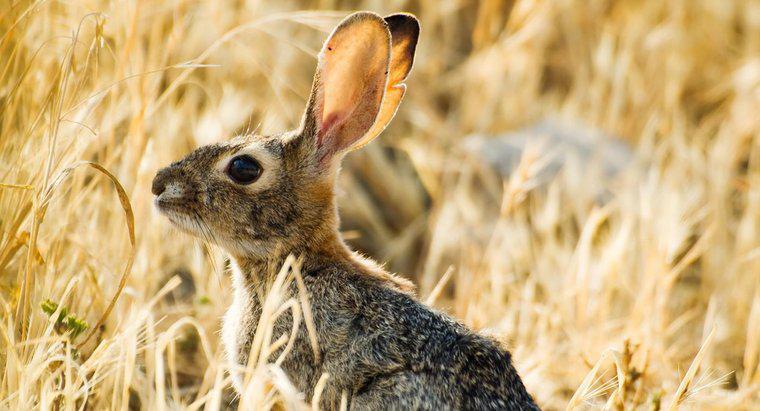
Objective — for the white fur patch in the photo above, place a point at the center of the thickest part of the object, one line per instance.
(173, 190)
(232, 323)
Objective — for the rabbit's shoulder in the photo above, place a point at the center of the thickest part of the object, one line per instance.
(371, 311)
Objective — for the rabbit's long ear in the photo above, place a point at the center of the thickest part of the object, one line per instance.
(351, 77)
(405, 30)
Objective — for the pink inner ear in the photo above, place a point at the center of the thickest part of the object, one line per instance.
(332, 121)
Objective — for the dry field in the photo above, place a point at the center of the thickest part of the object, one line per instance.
(633, 290)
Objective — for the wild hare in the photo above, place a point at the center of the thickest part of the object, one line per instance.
(263, 198)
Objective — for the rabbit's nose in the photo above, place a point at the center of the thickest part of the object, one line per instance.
(159, 183)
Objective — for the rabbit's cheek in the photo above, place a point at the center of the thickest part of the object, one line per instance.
(214, 198)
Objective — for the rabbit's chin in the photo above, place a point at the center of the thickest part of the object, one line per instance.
(185, 223)
(196, 228)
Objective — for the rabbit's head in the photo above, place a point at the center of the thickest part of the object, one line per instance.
(253, 193)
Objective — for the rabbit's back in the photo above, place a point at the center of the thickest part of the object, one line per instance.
(387, 350)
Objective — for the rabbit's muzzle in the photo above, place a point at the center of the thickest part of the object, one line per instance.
(169, 187)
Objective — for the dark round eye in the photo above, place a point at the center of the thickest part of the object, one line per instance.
(244, 169)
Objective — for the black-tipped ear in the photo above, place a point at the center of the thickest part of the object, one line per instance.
(405, 30)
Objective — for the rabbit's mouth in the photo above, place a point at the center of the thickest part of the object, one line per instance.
(170, 207)
(177, 204)
(178, 214)
(173, 201)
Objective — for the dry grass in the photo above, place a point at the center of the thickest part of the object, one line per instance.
(647, 300)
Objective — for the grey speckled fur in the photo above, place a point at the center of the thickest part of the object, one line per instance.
(380, 345)
(387, 350)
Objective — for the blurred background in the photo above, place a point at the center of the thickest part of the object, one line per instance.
(578, 178)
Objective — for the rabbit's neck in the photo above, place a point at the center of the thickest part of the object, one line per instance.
(252, 272)
(255, 269)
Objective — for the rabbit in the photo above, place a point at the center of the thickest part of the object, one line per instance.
(262, 198)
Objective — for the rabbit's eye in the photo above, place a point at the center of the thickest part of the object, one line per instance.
(244, 169)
